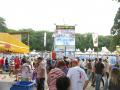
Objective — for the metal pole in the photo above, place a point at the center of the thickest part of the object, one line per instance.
(65, 50)
(53, 46)
(97, 53)
(53, 43)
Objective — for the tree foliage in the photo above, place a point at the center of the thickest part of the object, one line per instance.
(3, 27)
(116, 0)
(115, 30)
(83, 41)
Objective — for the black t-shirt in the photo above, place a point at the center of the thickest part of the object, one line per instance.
(6, 62)
(99, 68)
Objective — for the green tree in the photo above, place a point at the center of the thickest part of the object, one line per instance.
(11, 30)
(105, 41)
(37, 39)
(82, 40)
(85, 41)
(116, 0)
(50, 41)
(115, 30)
(3, 27)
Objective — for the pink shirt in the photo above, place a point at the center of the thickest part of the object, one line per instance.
(53, 75)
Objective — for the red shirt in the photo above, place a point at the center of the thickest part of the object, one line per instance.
(17, 63)
(53, 55)
(1, 61)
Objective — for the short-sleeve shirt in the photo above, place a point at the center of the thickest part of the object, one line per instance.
(77, 77)
(99, 68)
(39, 69)
(1, 61)
(53, 75)
(107, 67)
(17, 63)
(26, 71)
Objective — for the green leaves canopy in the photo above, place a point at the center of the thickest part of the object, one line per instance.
(115, 30)
(83, 41)
(3, 27)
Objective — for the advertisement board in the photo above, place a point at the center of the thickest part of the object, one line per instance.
(64, 38)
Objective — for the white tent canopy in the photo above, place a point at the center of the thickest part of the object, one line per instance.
(89, 50)
(105, 51)
(33, 52)
(78, 51)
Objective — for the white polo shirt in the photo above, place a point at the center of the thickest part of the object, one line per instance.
(77, 77)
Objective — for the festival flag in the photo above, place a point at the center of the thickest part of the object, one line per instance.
(95, 40)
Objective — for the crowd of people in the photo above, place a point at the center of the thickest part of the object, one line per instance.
(75, 74)
(64, 74)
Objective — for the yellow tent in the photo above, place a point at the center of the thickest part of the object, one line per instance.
(118, 49)
(10, 43)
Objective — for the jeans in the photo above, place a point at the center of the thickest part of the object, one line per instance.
(106, 81)
(85, 70)
(6, 68)
(93, 79)
(40, 83)
(98, 80)
(106, 85)
(89, 74)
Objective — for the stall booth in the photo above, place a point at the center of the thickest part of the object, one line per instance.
(9, 44)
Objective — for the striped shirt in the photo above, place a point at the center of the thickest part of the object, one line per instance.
(53, 75)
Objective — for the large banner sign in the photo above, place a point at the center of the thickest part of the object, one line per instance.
(64, 38)
(65, 35)
(95, 40)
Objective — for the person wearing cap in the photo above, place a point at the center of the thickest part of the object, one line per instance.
(78, 77)
(40, 70)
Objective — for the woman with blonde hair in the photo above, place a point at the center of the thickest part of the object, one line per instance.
(114, 83)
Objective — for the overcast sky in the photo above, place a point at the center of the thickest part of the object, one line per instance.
(88, 15)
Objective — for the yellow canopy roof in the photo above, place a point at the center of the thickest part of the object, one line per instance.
(10, 43)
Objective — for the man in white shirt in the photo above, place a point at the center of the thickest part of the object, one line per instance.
(85, 65)
(77, 77)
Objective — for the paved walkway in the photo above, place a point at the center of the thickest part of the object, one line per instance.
(6, 82)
